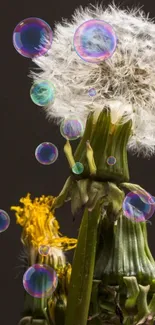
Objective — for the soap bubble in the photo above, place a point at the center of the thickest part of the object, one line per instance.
(92, 92)
(4, 220)
(42, 93)
(32, 37)
(95, 41)
(136, 209)
(44, 250)
(71, 128)
(78, 168)
(46, 153)
(40, 280)
(111, 160)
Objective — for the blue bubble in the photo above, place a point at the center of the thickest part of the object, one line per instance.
(4, 220)
(46, 153)
(111, 160)
(40, 280)
(42, 93)
(32, 37)
(136, 208)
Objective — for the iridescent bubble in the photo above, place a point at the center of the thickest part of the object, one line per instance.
(32, 37)
(44, 250)
(42, 93)
(95, 41)
(4, 220)
(111, 160)
(136, 209)
(92, 92)
(71, 128)
(78, 168)
(40, 280)
(46, 153)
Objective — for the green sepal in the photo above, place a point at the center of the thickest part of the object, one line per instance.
(142, 306)
(76, 202)
(132, 291)
(64, 194)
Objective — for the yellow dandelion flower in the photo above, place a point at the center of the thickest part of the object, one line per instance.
(40, 226)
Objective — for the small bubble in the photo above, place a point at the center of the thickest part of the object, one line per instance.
(71, 128)
(46, 153)
(111, 160)
(92, 92)
(95, 41)
(42, 93)
(78, 168)
(40, 280)
(4, 220)
(44, 250)
(32, 37)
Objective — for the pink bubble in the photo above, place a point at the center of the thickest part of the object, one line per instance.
(95, 41)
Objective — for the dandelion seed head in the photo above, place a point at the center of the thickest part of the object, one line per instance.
(125, 82)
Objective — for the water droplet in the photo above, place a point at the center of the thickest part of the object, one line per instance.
(136, 209)
(4, 220)
(95, 41)
(46, 153)
(71, 128)
(78, 168)
(92, 92)
(44, 250)
(42, 93)
(40, 280)
(32, 37)
(111, 160)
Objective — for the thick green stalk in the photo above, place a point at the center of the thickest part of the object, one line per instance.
(83, 269)
(125, 252)
(100, 140)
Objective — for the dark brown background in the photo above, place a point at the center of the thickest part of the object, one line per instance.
(22, 127)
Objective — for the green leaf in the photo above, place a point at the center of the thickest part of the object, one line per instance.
(83, 269)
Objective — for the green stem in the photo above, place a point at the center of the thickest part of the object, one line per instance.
(83, 269)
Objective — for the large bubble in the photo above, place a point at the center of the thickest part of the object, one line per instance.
(95, 41)
(40, 280)
(138, 207)
(32, 37)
